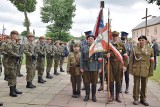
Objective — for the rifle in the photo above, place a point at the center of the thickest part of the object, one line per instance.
(34, 59)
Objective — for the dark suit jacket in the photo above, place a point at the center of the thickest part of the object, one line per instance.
(155, 49)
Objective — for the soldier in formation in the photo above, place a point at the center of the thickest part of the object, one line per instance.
(90, 66)
(141, 66)
(49, 56)
(13, 57)
(41, 58)
(30, 52)
(116, 67)
(73, 68)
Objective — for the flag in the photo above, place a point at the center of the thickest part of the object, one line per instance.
(101, 44)
(99, 24)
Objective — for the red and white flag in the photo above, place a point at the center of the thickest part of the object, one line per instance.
(101, 43)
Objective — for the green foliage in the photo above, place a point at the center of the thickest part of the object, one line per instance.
(63, 36)
(156, 73)
(24, 33)
(59, 14)
(154, 1)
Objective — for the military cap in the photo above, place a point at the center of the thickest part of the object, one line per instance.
(57, 41)
(76, 45)
(124, 34)
(48, 38)
(115, 33)
(88, 33)
(14, 32)
(142, 37)
(7, 37)
(41, 37)
(30, 35)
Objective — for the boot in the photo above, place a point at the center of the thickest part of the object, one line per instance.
(6, 77)
(1, 104)
(144, 102)
(94, 99)
(118, 98)
(55, 72)
(61, 70)
(16, 91)
(100, 88)
(78, 94)
(111, 92)
(87, 88)
(43, 80)
(49, 76)
(74, 94)
(33, 85)
(29, 85)
(12, 92)
(40, 79)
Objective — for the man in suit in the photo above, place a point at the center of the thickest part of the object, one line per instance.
(155, 50)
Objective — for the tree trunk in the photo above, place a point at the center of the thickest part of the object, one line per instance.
(27, 22)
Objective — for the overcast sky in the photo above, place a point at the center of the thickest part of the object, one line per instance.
(125, 15)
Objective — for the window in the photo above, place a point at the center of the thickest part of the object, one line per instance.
(155, 30)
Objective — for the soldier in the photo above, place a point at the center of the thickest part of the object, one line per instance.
(141, 66)
(5, 56)
(30, 52)
(116, 67)
(56, 57)
(49, 57)
(13, 57)
(90, 68)
(73, 68)
(62, 56)
(41, 58)
(128, 50)
(155, 50)
(20, 62)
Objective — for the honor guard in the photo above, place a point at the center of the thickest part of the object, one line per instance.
(49, 56)
(41, 49)
(141, 66)
(13, 54)
(116, 67)
(30, 53)
(90, 66)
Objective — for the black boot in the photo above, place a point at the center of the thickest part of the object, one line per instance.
(100, 88)
(30, 85)
(16, 91)
(1, 104)
(55, 72)
(111, 92)
(74, 94)
(94, 99)
(43, 80)
(87, 88)
(61, 70)
(33, 85)
(6, 77)
(78, 93)
(40, 79)
(49, 76)
(12, 92)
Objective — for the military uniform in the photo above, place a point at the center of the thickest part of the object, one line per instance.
(30, 53)
(57, 51)
(62, 56)
(141, 66)
(41, 60)
(49, 57)
(116, 67)
(90, 66)
(74, 62)
(13, 56)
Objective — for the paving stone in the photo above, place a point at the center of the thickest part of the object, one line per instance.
(40, 101)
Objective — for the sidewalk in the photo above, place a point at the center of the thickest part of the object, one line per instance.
(57, 93)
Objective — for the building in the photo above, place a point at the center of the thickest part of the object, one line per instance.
(153, 29)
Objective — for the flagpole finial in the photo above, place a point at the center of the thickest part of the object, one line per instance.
(102, 4)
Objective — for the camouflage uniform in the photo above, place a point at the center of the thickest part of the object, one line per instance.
(141, 66)
(30, 53)
(62, 57)
(13, 57)
(56, 58)
(74, 61)
(41, 60)
(49, 57)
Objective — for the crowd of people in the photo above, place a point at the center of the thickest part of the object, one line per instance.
(138, 61)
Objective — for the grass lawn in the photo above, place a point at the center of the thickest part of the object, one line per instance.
(156, 73)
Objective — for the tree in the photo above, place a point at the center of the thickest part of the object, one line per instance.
(25, 6)
(59, 14)
(24, 33)
(154, 1)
